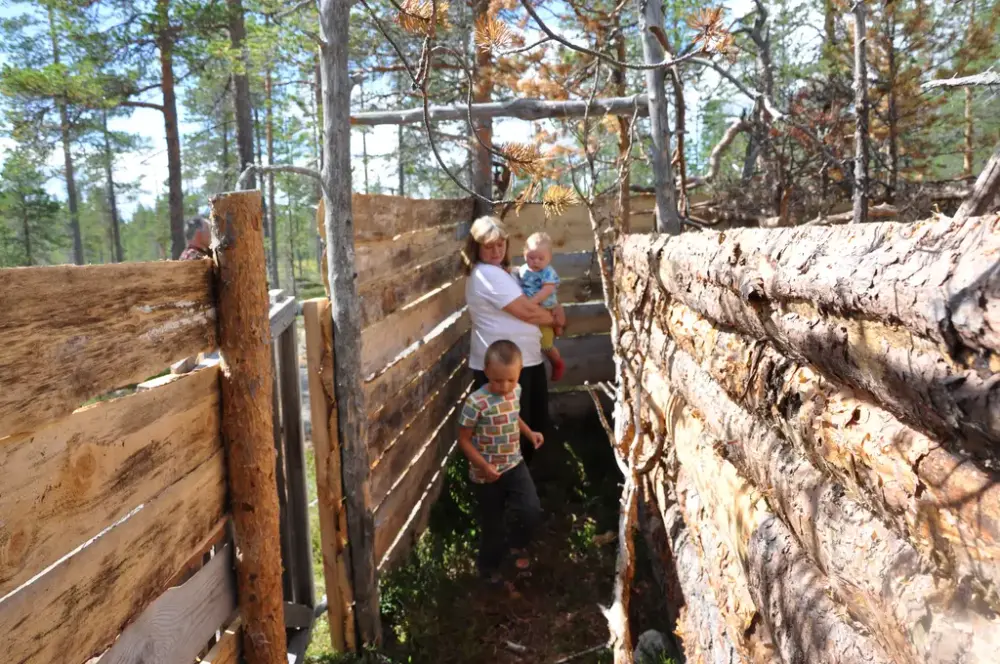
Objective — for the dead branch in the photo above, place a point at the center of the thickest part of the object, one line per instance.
(254, 169)
(986, 78)
(523, 109)
(715, 157)
(984, 192)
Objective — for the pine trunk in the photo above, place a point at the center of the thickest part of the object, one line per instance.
(26, 226)
(272, 213)
(339, 223)
(241, 89)
(72, 198)
(650, 19)
(861, 115)
(482, 92)
(116, 239)
(624, 139)
(175, 183)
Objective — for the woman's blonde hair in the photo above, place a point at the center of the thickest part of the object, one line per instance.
(485, 230)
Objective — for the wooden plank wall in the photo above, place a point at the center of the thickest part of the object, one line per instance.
(105, 508)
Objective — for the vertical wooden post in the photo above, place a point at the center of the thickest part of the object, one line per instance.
(352, 420)
(861, 115)
(332, 515)
(247, 391)
(295, 463)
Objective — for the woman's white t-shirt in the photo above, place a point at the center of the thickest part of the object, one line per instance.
(488, 290)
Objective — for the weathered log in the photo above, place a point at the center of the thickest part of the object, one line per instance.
(894, 310)
(522, 109)
(789, 591)
(948, 508)
(984, 192)
(247, 428)
(915, 616)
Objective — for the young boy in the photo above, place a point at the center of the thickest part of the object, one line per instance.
(539, 282)
(489, 432)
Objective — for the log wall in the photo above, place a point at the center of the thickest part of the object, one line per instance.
(828, 398)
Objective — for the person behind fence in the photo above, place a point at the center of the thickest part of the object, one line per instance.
(498, 310)
(539, 282)
(490, 428)
(199, 238)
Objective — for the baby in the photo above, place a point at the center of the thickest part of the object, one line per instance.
(539, 283)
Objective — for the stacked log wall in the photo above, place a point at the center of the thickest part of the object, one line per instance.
(833, 461)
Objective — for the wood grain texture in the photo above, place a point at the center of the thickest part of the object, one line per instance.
(227, 650)
(587, 318)
(387, 423)
(385, 296)
(414, 489)
(281, 315)
(383, 260)
(388, 468)
(587, 358)
(77, 609)
(175, 628)
(247, 420)
(380, 389)
(384, 341)
(69, 333)
(332, 516)
(68, 481)
(378, 217)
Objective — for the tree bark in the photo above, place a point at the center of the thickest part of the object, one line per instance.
(272, 212)
(667, 219)
(241, 87)
(813, 292)
(893, 110)
(948, 508)
(482, 93)
(109, 177)
(72, 198)
(25, 224)
(860, 114)
(247, 383)
(679, 123)
(175, 183)
(624, 132)
(352, 420)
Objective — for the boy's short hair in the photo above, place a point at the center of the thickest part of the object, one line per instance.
(538, 240)
(503, 352)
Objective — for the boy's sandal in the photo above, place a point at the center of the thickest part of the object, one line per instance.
(521, 561)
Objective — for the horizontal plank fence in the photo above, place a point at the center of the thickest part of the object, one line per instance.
(117, 538)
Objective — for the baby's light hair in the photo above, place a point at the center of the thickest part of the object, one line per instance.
(503, 352)
(538, 240)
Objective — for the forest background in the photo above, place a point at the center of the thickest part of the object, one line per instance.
(120, 118)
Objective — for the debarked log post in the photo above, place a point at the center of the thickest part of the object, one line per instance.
(247, 427)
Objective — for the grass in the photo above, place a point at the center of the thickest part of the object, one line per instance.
(435, 609)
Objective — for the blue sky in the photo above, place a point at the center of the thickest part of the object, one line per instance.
(149, 166)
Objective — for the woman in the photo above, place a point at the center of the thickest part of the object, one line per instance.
(499, 310)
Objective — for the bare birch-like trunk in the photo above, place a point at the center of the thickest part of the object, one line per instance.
(860, 114)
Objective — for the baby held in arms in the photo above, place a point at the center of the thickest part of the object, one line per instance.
(539, 283)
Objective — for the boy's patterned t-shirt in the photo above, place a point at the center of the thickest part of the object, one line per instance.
(496, 434)
(532, 282)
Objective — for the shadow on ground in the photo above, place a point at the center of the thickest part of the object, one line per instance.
(435, 609)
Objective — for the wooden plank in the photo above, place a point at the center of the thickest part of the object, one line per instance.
(78, 608)
(384, 341)
(587, 318)
(588, 358)
(410, 533)
(227, 650)
(394, 512)
(176, 627)
(385, 296)
(65, 483)
(393, 463)
(380, 260)
(295, 464)
(281, 315)
(319, 357)
(380, 217)
(399, 410)
(383, 387)
(70, 333)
